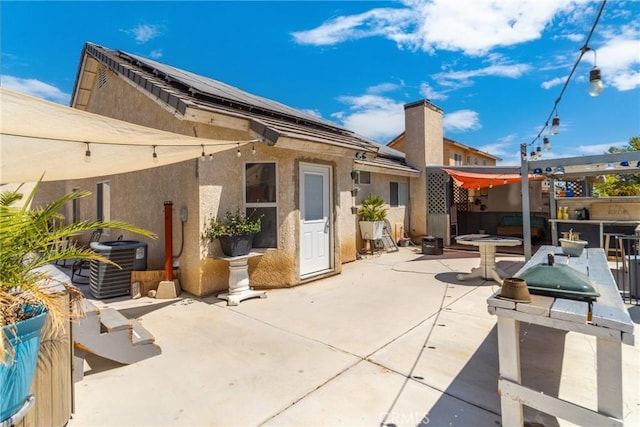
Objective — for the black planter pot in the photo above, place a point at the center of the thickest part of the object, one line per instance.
(236, 245)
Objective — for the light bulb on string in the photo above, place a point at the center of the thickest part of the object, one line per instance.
(202, 156)
(253, 148)
(555, 125)
(596, 87)
(595, 77)
(238, 153)
(155, 155)
(546, 143)
(87, 154)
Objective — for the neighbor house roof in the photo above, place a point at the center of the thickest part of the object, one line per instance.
(398, 139)
(192, 95)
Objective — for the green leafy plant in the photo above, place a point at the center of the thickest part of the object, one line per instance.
(29, 239)
(372, 209)
(231, 224)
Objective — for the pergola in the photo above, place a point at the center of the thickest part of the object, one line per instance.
(567, 169)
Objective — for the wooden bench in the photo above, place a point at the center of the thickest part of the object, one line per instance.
(607, 319)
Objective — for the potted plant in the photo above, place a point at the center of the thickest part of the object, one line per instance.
(355, 174)
(234, 231)
(372, 215)
(29, 240)
(354, 191)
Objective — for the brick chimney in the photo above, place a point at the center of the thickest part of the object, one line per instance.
(423, 146)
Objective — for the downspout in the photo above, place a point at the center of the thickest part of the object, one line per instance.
(168, 241)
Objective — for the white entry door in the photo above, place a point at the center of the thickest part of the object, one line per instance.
(315, 227)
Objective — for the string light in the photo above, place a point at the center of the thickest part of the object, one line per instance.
(253, 148)
(87, 154)
(546, 143)
(585, 48)
(555, 125)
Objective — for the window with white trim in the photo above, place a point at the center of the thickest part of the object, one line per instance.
(457, 159)
(261, 198)
(363, 177)
(398, 194)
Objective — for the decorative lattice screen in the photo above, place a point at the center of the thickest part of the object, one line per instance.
(436, 197)
(461, 198)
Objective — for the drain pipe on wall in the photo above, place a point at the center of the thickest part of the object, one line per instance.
(168, 288)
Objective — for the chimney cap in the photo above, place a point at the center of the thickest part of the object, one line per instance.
(423, 103)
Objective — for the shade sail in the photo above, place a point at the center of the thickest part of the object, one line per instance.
(38, 136)
(466, 179)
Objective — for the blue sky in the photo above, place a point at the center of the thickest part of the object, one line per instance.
(495, 67)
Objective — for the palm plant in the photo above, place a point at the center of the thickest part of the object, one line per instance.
(373, 209)
(29, 239)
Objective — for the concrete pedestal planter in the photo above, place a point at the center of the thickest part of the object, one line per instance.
(371, 230)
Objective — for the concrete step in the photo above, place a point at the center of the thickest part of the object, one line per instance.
(112, 320)
(109, 334)
(140, 336)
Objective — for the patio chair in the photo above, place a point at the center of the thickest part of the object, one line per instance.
(61, 245)
(79, 265)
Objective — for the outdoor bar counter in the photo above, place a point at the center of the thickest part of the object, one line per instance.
(592, 227)
(615, 215)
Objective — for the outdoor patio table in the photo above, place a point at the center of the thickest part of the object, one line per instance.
(487, 246)
(607, 319)
(239, 288)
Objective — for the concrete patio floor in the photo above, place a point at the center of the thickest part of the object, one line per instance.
(395, 340)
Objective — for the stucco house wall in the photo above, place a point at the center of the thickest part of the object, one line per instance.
(209, 187)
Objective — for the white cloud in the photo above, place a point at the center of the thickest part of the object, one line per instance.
(599, 148)
(314, 112)
(619, 59)
(554, 82)
(498, 149)
(156, 54)
(145, 32)
(479, 26)
(385, 22)
(383, 88)
(35, 88)
(430, 93)
(461, 121)
(463, 78)
(373, 116)
(473, 27)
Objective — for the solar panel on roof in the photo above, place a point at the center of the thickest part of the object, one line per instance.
(218, 89)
